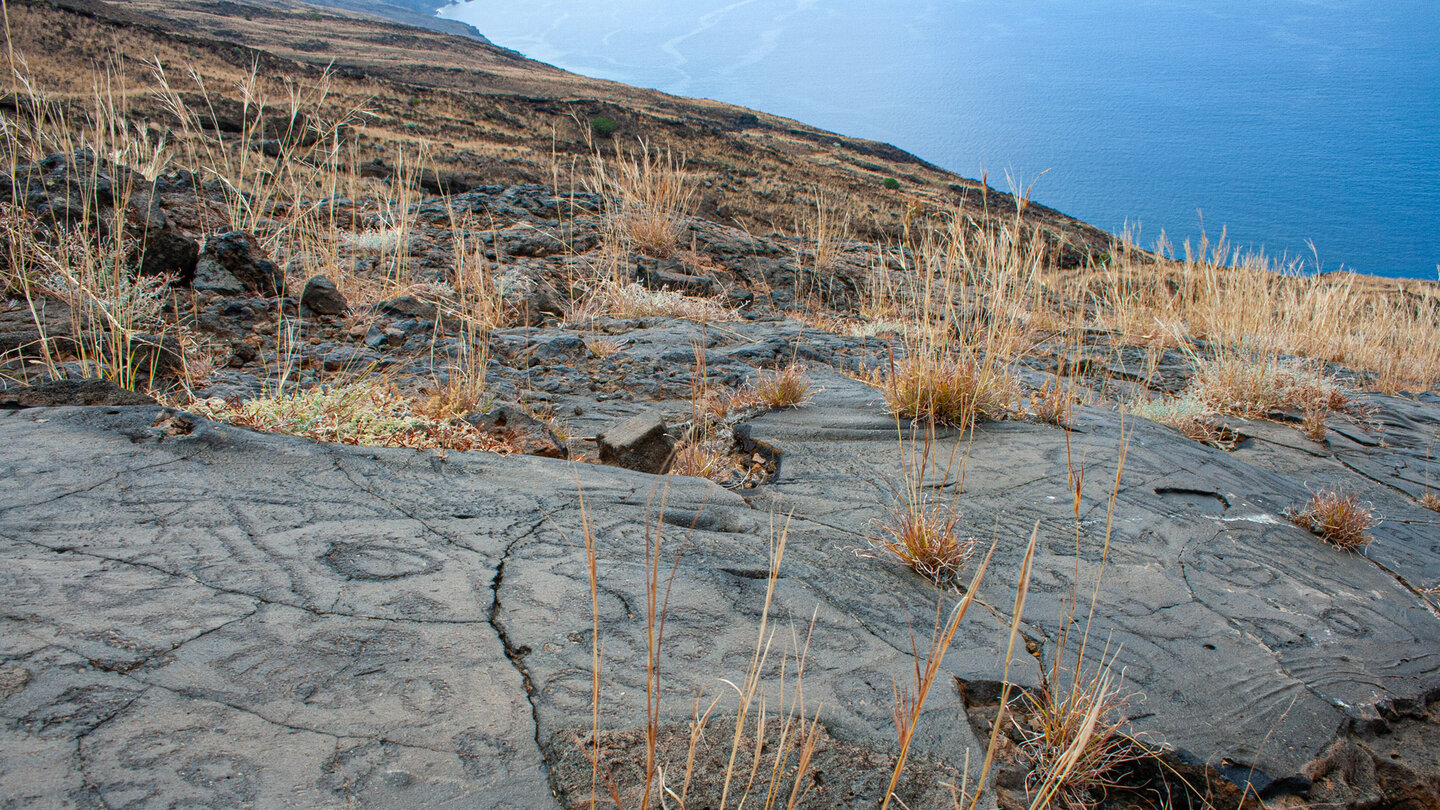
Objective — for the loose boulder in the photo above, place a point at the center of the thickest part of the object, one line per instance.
(640, 443)
(232, 263)
(322, 297)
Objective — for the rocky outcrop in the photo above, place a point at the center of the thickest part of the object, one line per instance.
(324, 623)
(66, 190)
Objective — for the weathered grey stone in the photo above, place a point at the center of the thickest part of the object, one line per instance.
(213, 616)
(640, 443)
(322, 297)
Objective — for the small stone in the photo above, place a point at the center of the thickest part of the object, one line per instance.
(232, 263)
(530, 435)
(12, 681)
(322, 297)
(408, 306)
(640, 443)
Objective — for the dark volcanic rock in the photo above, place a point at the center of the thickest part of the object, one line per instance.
(76, 188)
(169, 252)
(232, 263)
(639, 443)
(511, 424)
(322, 297)
(671, 274)
(409, 306)
(71, 392)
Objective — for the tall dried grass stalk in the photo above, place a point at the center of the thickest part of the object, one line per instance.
(648, 199)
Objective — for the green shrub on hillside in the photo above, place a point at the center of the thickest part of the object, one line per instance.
(603, 125)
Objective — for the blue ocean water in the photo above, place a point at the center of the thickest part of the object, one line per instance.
(1287, 122)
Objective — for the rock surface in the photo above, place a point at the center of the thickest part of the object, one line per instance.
(261, 619)
(232, 263)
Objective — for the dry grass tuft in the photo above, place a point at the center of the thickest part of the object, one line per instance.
(1430, 501)
(366, 412)
(648, 199)
(710, 458)
(948, 388)
(925, 536)
(1054, 403)
(788, 387)
(922, 529)
(1076, 741)
(631, 300)
(114, 317)
(1339, 519)
(1389, 328)
(601, 346)
(1251, 385)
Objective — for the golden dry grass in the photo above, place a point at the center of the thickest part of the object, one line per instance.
(1053, 403)
(922, 527)
(368, 411)
(709, 458)
(948, 388)
(603, 346)
(632, 300)
(787, 387)
(648, 200)
(1386, 327)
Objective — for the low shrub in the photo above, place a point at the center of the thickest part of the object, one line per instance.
(604, 126)
(1339, 519)
(1187, 415)
(891, 183)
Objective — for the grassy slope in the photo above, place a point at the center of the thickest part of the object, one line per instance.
(494, 115)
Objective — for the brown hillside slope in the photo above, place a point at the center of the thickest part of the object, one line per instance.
(489, 113)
